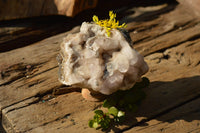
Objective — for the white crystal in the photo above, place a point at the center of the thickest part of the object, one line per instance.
(90, 59)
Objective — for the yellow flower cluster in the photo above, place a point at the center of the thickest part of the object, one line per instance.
(109, 24)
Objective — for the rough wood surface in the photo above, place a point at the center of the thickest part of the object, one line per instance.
(32, 99)
(191, 6)
(184, 119)
(22, 32)
(26, 71)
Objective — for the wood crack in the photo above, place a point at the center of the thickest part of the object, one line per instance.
(25, 70)
(66, 116)
(13, 79)
(192, 38)
(15, 103)
(43, 71)
(28, 104)
(194, 130)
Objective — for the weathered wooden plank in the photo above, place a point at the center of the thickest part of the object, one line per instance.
(165, 31)
(19, 33)
(173, 82)
(184, 55)
(139, 32)
(169, 40)
(25, 71)
(157, 23)
(174, 77)
(23, 78)
(184, 119)
(22, 104)
(16, 66)
(67, 110)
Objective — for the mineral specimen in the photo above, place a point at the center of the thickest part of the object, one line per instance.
(90, 59)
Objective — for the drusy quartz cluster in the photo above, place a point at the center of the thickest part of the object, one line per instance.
(92, 59)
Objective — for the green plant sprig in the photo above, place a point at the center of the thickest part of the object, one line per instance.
(104, 120)
(117, 104)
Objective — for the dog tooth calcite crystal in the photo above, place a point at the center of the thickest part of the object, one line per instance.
(90, 59)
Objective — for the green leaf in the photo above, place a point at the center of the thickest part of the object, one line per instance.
(120, 114)
(90, 123)
(105, 125)
(95, 125)
(99, 112)
(113, 111)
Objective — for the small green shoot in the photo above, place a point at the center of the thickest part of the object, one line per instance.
(103, 120)
(117, 104)
(100, 119)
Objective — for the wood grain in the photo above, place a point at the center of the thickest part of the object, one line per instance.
(27, 70)
(184, 119)
(191, 6)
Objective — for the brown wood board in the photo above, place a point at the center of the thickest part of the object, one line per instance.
(180, 120)
(169, 40)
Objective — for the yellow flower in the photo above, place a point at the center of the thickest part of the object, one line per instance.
(109, 24)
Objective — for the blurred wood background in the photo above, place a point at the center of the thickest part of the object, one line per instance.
(13, 9)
